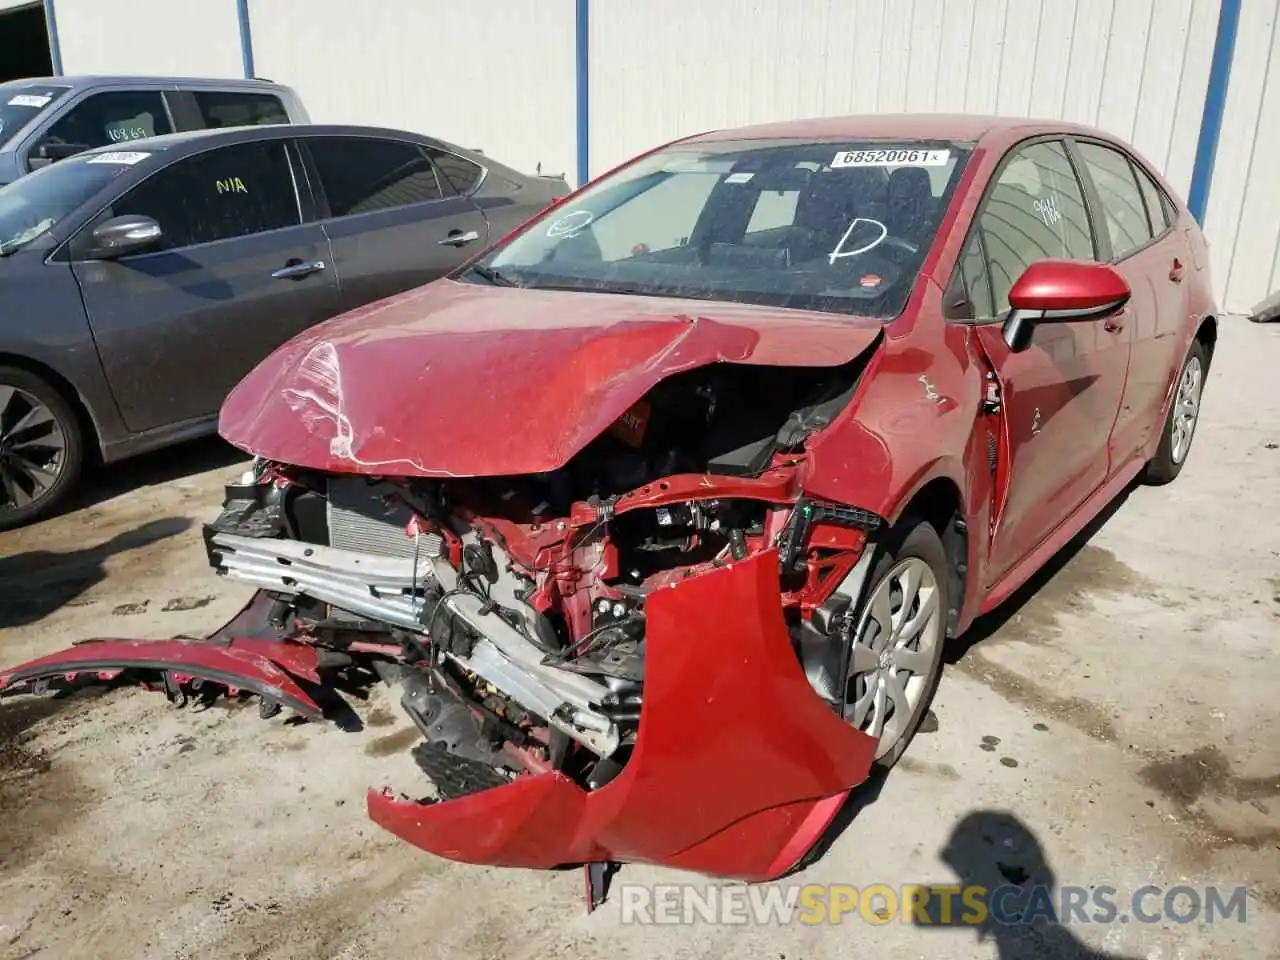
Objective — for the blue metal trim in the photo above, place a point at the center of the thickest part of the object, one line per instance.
(583, 61)
(55, 49)
(246, 38)
(1215, 105)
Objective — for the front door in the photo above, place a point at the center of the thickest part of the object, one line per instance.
(394, 222)
(235, 276)
(1061, 396)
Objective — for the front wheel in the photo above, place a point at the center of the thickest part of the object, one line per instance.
(41, 447)
(1180, 426)
(894, 660)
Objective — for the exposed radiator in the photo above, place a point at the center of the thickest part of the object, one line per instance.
(363, 518)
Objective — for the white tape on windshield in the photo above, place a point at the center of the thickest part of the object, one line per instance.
(118, 156)
(29, 100)
(891, 158)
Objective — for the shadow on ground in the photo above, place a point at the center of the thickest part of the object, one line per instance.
(35, 583)
(988, 624)
(1005, 891)
(105, 481)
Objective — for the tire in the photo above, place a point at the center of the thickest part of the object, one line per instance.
(1175, 445)
(914, 549)
(52, 443)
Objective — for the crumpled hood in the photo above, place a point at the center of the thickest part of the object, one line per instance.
(457, 379)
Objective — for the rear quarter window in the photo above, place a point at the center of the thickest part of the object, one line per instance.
(223, 109)
(463, 175)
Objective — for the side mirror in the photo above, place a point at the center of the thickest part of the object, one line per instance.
(47, 153)
(123, 235)
(1061, 291)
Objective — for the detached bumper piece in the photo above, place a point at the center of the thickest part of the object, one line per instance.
(737, 769)
(272, 669)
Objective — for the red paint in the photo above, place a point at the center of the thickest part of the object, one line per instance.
(427, 380)
(250, 664)
(737, 769)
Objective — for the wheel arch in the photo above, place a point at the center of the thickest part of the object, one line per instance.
(1207, 336)
(66, 389)
(940, 503)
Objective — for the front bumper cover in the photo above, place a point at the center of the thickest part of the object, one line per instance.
(738, 766)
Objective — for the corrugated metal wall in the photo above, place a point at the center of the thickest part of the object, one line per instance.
(501, 75)
(1135, 67)
(497, 75)
(189, 38)
(1242, 220)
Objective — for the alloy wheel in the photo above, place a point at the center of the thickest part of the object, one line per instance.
(32, 448)
(894, 653)
(1186, 409)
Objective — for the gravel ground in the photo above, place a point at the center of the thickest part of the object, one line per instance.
(1117, 724)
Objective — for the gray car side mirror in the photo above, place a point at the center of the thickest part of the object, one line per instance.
(124, 235)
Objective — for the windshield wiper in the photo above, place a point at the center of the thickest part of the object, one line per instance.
(496, 277)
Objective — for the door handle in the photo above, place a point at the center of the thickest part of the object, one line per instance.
(1175, 272)
(297, 269)
(457, 238)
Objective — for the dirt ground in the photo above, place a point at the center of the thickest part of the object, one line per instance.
(1117, 724)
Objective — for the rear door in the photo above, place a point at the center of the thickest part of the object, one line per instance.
(236, 275)
(1060, 397)
(1146, 252)
(393, 220)
(205, 109)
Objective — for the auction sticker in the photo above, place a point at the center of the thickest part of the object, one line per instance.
(119, 156)
(891, 158)
(29, 100)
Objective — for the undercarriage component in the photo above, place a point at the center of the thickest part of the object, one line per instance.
(454, 775)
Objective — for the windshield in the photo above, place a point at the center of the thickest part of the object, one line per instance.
(838, 227)
(34, 204)
(19, 102)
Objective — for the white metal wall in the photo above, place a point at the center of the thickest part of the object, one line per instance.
(185, 38)
(665, 68)
(497, 75)
(1242, 220)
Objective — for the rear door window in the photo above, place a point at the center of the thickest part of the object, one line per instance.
(363, 174)
(1157, 205)
(225, 193)
(1124, 209)
(238, 109)
(107, 118)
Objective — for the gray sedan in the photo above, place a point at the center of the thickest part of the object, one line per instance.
(140, 283)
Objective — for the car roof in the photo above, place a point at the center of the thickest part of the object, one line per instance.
(201, 139)
(87, 81)
(957, 127)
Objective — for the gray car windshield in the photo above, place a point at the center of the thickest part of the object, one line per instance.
(19, 102)
(32, 205)
(841, 227)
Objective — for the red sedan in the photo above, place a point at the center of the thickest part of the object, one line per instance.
(662, 509)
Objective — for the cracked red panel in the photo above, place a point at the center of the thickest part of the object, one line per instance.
(737, 771)
(259, 666)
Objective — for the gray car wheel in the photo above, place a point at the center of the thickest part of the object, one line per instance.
(41, 447)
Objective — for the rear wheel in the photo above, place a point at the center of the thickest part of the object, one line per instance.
(895, 658)
(1184, 414)
(41, 447)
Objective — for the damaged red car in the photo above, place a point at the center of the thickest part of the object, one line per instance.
(660, 512)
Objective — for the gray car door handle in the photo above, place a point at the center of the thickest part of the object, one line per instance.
(296, 271)
(459, 239)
